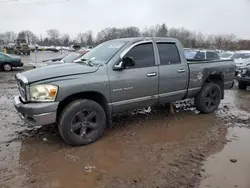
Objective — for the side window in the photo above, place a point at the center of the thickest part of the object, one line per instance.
(169, 53)
(212, 55)
(200, 55)
(247, 56)
(143, 55)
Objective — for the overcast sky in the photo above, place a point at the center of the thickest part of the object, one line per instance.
(207, 16)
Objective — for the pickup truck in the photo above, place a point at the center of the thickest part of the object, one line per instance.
(117, 76)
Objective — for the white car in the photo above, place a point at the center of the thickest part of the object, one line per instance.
(226, 55)
(241, 59)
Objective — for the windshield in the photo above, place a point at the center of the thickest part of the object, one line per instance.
(71, 57)
(241, 56)
(226, 55)
(103, 52)
(190, 55)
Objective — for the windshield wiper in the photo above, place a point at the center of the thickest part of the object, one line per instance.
(88, 62)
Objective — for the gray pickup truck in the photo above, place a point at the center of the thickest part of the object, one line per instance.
(117, 76)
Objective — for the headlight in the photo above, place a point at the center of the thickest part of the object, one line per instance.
(43, 93)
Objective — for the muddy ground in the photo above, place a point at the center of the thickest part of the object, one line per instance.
(150, 149)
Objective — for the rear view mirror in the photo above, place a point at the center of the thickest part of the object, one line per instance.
(124, 63)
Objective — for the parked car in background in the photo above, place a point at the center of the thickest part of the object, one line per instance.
(118, 76)
(66, 58)
(226, 55)
(70, 58)
(199, 55)
(243, 77)
(59, 58)
(51, 49)
(241, 59)
(7, 62)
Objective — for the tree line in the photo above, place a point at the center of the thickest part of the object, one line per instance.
(189, 39)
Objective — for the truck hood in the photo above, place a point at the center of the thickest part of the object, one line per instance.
(55, 71)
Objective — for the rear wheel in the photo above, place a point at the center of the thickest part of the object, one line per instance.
(208, 99)
(242, 85)
(7, 67)
(82, 122)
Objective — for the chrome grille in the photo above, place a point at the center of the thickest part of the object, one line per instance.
(22, 87)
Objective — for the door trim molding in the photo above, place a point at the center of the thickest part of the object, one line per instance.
(172, 93)
(140, 99)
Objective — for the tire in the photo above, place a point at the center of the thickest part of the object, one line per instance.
(242, 85)
(7, 67)
(28, 53)
(82, 122)
(208, 99)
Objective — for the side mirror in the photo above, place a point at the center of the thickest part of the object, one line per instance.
(125, 62)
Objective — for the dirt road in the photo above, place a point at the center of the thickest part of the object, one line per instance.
(149, 148)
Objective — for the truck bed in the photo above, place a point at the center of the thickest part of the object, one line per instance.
(200, 70)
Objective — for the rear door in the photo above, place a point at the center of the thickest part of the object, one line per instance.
(135, 87)
(172, 73)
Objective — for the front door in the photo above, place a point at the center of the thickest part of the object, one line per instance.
(137, 86)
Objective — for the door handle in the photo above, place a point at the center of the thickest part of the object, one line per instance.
(181, 70)
(151, 74)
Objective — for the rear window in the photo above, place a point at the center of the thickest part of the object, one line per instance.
(190, 55)
(169, 53)
(212, 55)
(200, 55)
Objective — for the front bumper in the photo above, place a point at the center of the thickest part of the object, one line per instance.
(36, 114)
(243, 79)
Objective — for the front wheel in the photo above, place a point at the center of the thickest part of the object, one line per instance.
(7, 67)
(242, 85)
(82, 122)
(208, 99)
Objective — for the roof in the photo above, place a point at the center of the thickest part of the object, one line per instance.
(243, 51)
(137, 39)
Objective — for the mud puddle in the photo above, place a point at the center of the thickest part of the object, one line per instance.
(133, 154)
(231, 166)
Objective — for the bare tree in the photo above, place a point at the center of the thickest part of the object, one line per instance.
(89, 38)
(148, 32)
(82, 38)
(187, 38)
(65, 40)
(29, 35)
(129, 32)
(8, 37)
(161, 31)
(54, 35)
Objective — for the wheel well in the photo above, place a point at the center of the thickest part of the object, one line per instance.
(4, 64)
(95, 96)
(219, 80)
